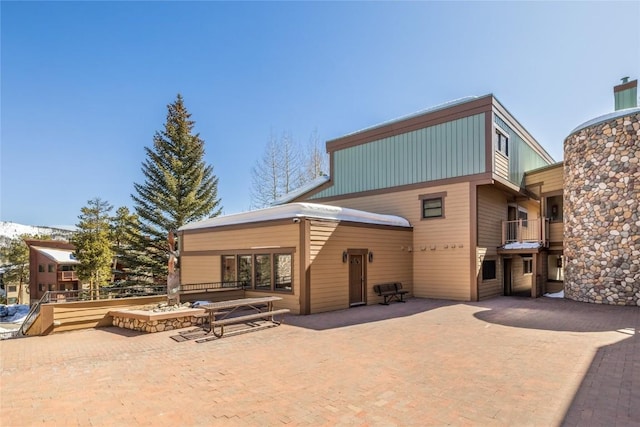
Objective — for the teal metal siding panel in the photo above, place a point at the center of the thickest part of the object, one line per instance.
(521, 156)
(442, 151)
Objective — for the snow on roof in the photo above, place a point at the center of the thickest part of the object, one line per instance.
(61, 256)
(522, 245)
(417, 113)
(302, 190)
(299, 210)
(606, 117)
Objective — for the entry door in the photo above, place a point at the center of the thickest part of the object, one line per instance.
(506, 276)
(356, 279)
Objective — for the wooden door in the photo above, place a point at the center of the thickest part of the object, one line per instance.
(356, 279)
(506, 275)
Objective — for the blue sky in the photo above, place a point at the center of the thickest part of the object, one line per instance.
(84, 85)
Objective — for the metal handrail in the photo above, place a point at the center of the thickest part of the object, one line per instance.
(107, 292)
(32, 315)
(213, 285)
(529, 230)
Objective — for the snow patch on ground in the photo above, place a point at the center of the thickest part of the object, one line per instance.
(555, 295)
(11, 318)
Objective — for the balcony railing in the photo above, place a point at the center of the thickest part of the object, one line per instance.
(525, 230)
(67, 276)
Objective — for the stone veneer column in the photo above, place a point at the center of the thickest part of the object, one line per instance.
(602, 212)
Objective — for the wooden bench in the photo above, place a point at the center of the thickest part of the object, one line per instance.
(265, 315)
(390, 291)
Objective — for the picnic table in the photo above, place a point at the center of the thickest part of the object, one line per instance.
(226, 312)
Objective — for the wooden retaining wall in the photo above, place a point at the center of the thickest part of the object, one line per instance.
(69, 316)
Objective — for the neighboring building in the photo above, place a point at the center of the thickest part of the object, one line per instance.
(52, 267)
(454, 172)
(13, 292)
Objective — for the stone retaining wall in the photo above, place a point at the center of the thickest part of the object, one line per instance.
(602, 212)
(139, 320)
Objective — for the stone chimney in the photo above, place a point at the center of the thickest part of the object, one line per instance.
(626, 94)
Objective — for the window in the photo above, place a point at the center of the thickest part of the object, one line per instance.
(260, 272)
(282, 265)
(524, 216)
(554, 208)
(489, 269)
(51, 268)
(263, 272)
(12, 289)
(502, 143)
(40, 268)
(244, 270)
(41, 287)
(432, 205)
(527, 265)
(228, 268)
(432, 208)
(52, 287)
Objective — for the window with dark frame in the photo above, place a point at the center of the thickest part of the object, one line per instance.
(527, 265)
(51, 268)
(262, 272)
(228, 268)
(554, 208)
(244, 270)
(502, 143)
(489, 269)
(432, 208)
(524, 216)
(282, 270)
(40, 268)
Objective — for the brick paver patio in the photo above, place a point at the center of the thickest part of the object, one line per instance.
(505, 361)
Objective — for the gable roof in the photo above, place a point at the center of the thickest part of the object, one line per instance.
(299, 210)
(311, 185)
(60, 256)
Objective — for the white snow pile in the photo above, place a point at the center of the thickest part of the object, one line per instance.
(11, 317)
(555, 294)
(522, 245)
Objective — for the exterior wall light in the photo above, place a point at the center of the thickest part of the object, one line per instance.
(345, 256)
(370, 256)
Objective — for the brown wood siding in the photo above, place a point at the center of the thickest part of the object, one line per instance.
(492, 210)
(521, 281)
(556, 233)
(441, 272)
(546, 179)
(245, 238)
(330, 276)
(203, 267)
(493, 287)
(502, 165)
(200, 269)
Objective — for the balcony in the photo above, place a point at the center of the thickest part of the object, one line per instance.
(67, 276)
(526, 231)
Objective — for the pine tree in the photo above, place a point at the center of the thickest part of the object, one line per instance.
(179, 188)
(123, 225)
(93, 244)
(15, 258)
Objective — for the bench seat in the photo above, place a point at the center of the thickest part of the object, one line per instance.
(266, 315)
(390, 291)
